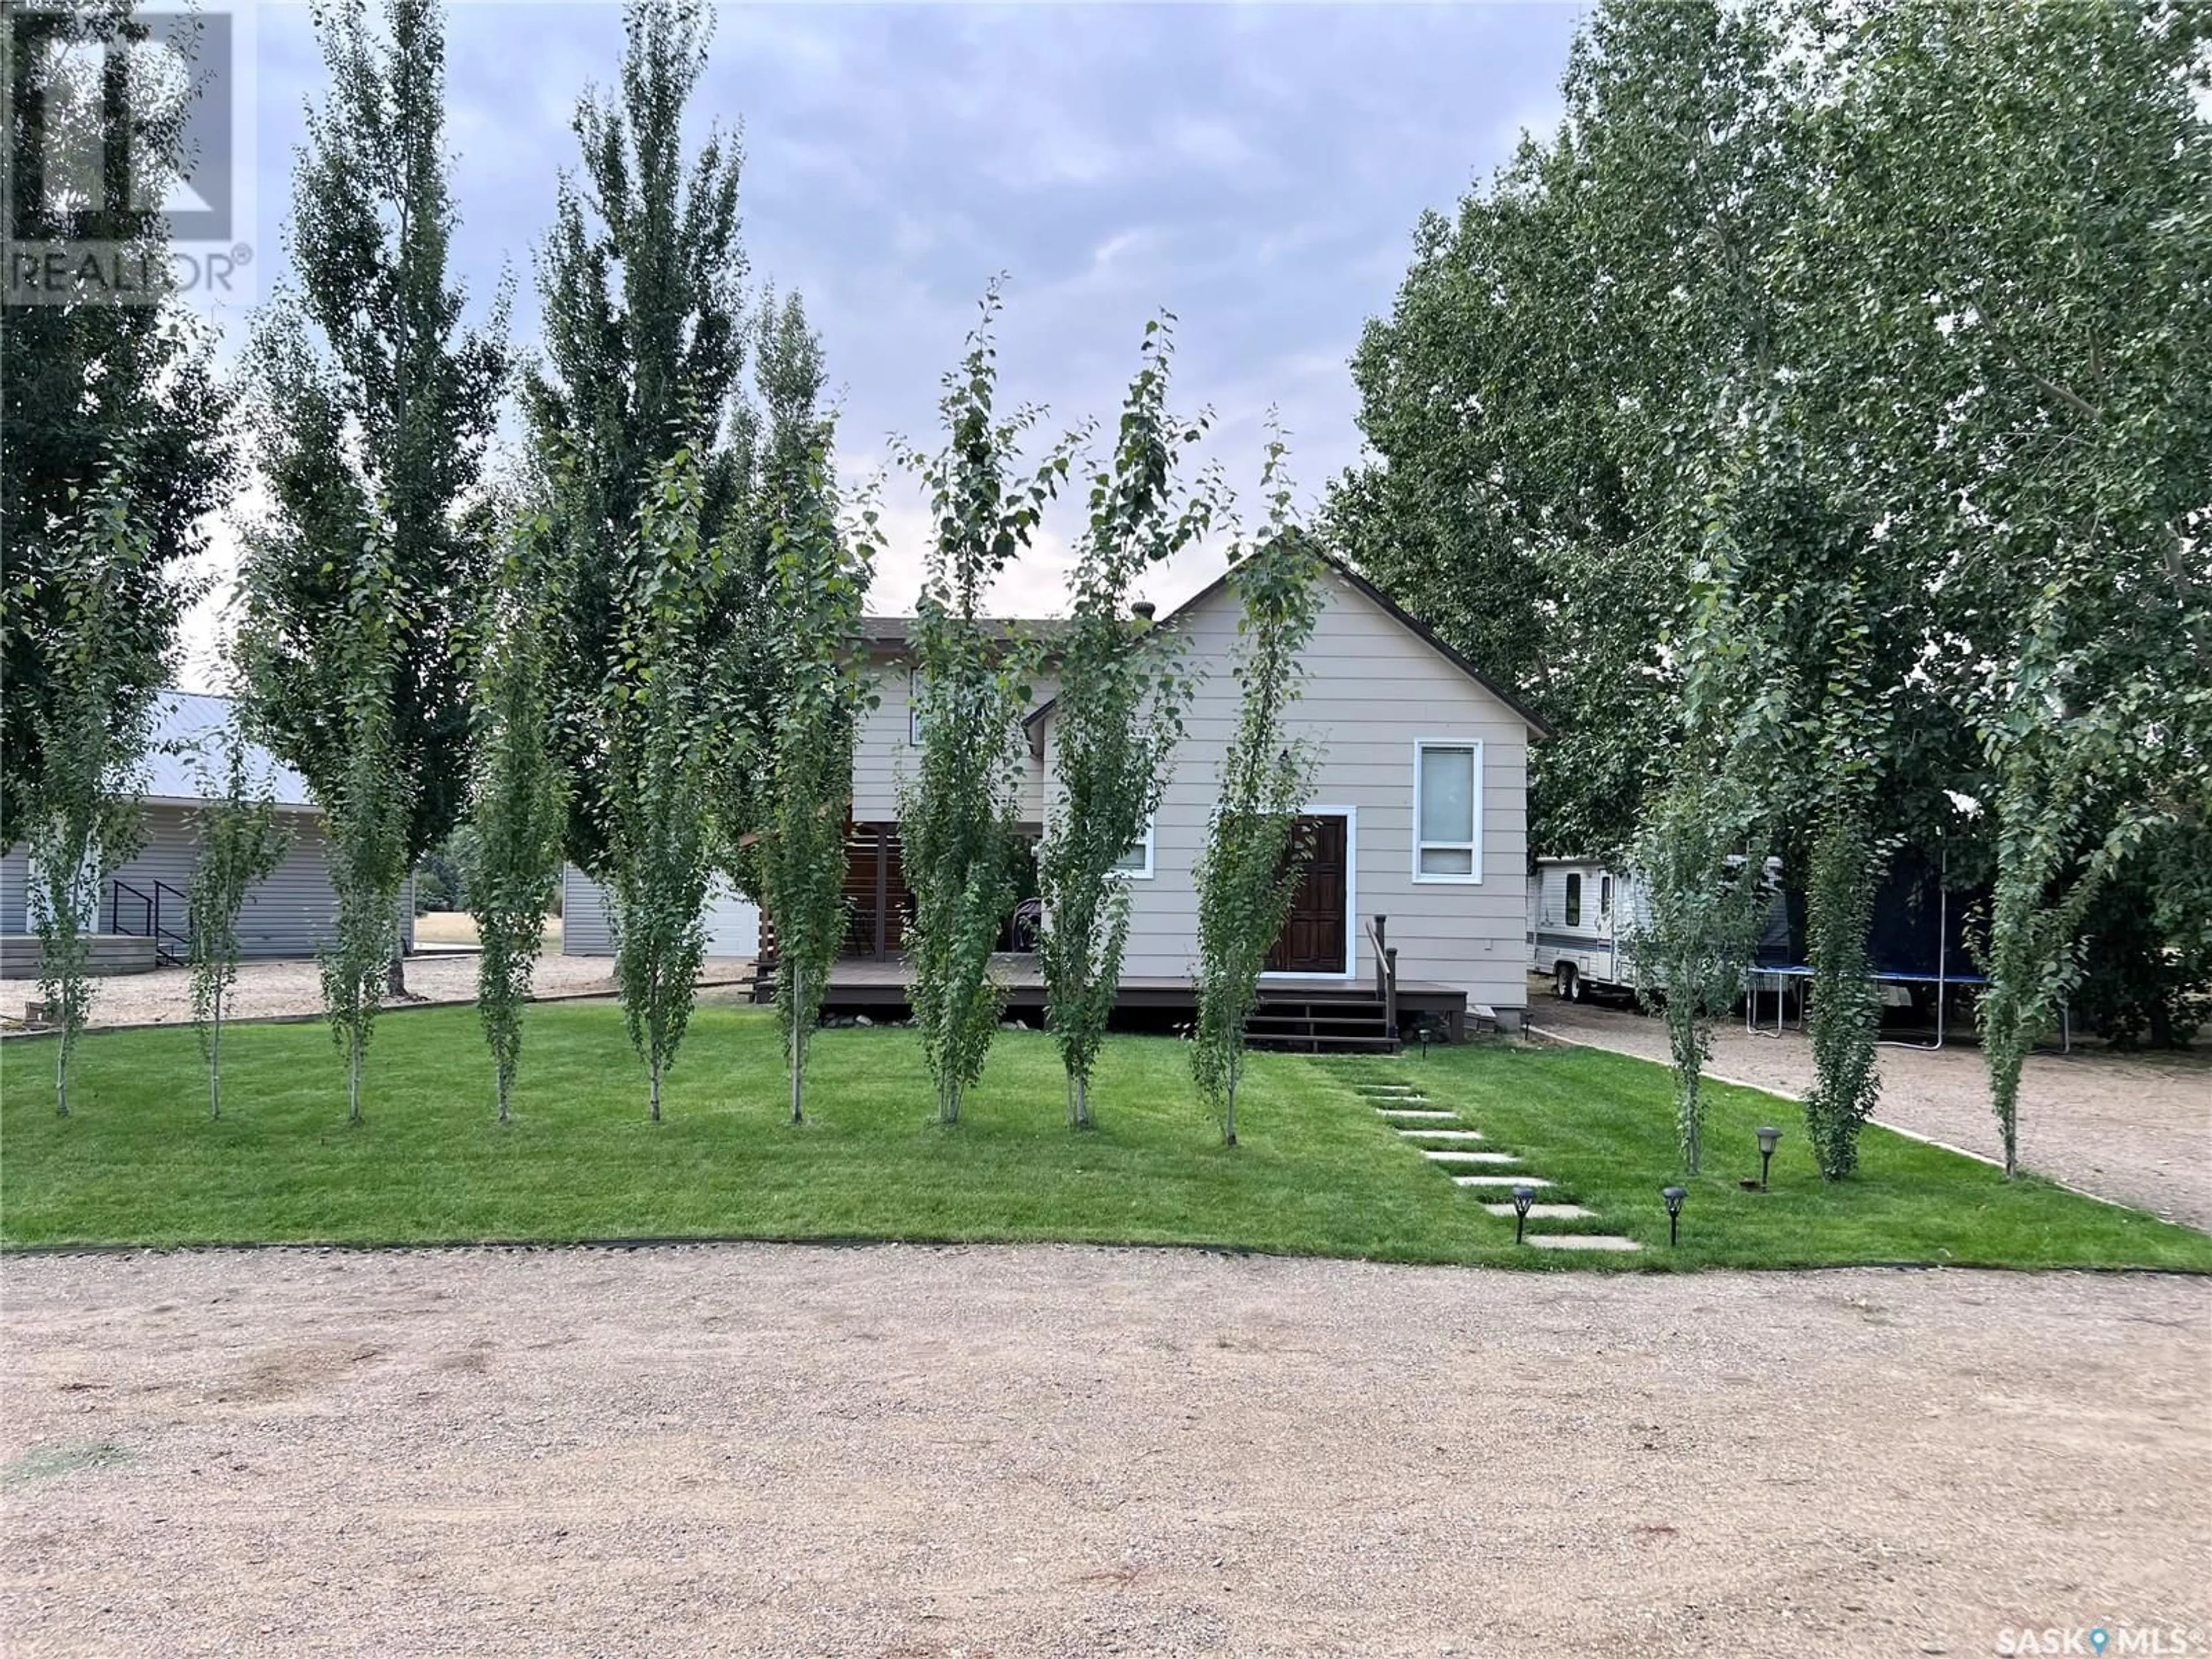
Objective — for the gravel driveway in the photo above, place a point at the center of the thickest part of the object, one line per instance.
(2136, 1128)
(267, 989)
(755, 1449)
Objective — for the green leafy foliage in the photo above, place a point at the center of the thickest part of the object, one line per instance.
(366, 805)
(92, 724)
(89, 385)
(1250, 870)
(511, 838)
(240, 845)
(1845, 1016)
(642, 278)
(1692, 933)
(957, 813)
(370, 403)
(656, 721)
(1119, 712)
(821, 574)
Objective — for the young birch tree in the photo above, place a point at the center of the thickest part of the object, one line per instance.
(82, 817)
(659, 839)
(957, 816)
(512, 863)
(1119, 714)
(822, 576)
(1251, 868)
(241, 846)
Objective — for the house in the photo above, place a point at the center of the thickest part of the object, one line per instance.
(144, 918)
(1419, 827)
(731, 920)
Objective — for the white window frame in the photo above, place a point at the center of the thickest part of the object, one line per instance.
(1473, 878)
(1151, 866)
(914, 705)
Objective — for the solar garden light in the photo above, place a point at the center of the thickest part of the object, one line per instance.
(1674, 1195)
(1767, 1137)
(1424, 1039)
(1522, 1198)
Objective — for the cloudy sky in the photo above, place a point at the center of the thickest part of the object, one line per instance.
(1256, 169)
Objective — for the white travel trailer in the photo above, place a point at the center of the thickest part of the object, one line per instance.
(1577, 911)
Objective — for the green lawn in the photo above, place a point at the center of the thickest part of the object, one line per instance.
(1318, 1173)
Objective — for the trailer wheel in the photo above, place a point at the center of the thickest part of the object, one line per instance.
(1566, 984)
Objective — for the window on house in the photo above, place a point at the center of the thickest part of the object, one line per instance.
(1447, 817)
(1574, 900)
(914, 707)
(1137, 862)
(1605, 898)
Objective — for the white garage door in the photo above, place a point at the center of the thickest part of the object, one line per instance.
(733, 923)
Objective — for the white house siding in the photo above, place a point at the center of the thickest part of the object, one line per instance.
(1372, 689)
(584, 929)
(885, 749)
(732, 923)
(289, 915)
(14, 890)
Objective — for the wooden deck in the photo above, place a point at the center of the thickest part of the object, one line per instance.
(872, 986)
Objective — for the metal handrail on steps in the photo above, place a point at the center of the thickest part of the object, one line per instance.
(1386, 974)
(150, 913)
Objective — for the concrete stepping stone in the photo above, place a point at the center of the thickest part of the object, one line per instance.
(1499, 1180)
(1582, 1242)
(1412, 1114)
(1441, 1134)
(1545, 1211)
(1450, 1155)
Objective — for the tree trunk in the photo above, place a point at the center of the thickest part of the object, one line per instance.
(395, 973)
(654, 1070)
(1229, 1118)
(1078, 1103)
(797, 1047)
(60, 1074)
(948, 1104)
(353, 1078)
(499, 1080)
(215, 1060)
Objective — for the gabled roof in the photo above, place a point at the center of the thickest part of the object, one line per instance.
(184, 759)
(1420, 631)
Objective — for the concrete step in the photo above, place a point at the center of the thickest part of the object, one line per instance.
(1544, 1212)
(1447, 1155)
(1441, 1134)
(1506, 1180)
(1582, 1242)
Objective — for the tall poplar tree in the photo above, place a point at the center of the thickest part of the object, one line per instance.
(370, 404)
(1118, 715)
(957, 813)
(1253, 860)
(643, 280)
(84, 818)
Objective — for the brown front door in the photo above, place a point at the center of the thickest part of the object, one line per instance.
(1313, 936)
